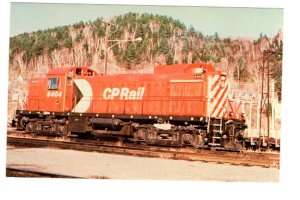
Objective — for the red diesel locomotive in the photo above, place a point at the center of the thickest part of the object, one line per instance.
(177, 105)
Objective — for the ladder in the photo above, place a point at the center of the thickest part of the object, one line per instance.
(217, 130)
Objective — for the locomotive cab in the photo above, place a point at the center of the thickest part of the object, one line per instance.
(57, 92)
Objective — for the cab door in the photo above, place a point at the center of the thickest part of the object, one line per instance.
(68, 92)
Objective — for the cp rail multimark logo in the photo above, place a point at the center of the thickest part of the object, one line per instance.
(123, 93)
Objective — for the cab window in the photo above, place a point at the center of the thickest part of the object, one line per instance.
(53, 83)
(90, 73)
(78, 71)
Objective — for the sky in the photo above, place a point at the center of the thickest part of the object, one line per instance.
(226, 21)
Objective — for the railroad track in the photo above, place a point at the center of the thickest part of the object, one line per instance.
(23, 172)
(190, 154)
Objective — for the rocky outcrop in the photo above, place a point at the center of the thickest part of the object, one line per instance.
(164, 41)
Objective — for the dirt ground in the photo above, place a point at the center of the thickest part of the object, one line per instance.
(110, 166)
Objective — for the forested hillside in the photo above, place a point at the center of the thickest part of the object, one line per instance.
(163, 41)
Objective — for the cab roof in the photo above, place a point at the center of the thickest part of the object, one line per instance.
(65, 70)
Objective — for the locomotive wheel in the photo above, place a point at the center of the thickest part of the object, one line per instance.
(140, 135)
(61, 130)
(190, 139)
(233, 146)
(29, 127)
(196, 140)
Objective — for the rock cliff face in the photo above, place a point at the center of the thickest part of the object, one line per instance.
(163, 41)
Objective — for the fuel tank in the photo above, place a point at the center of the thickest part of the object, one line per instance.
(106, 124)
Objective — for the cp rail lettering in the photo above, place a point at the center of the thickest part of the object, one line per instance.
(123, 93)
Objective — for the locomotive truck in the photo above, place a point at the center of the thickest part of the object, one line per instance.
(177, 105)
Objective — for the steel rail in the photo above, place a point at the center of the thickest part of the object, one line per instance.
(24, 172)
(190, 154)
